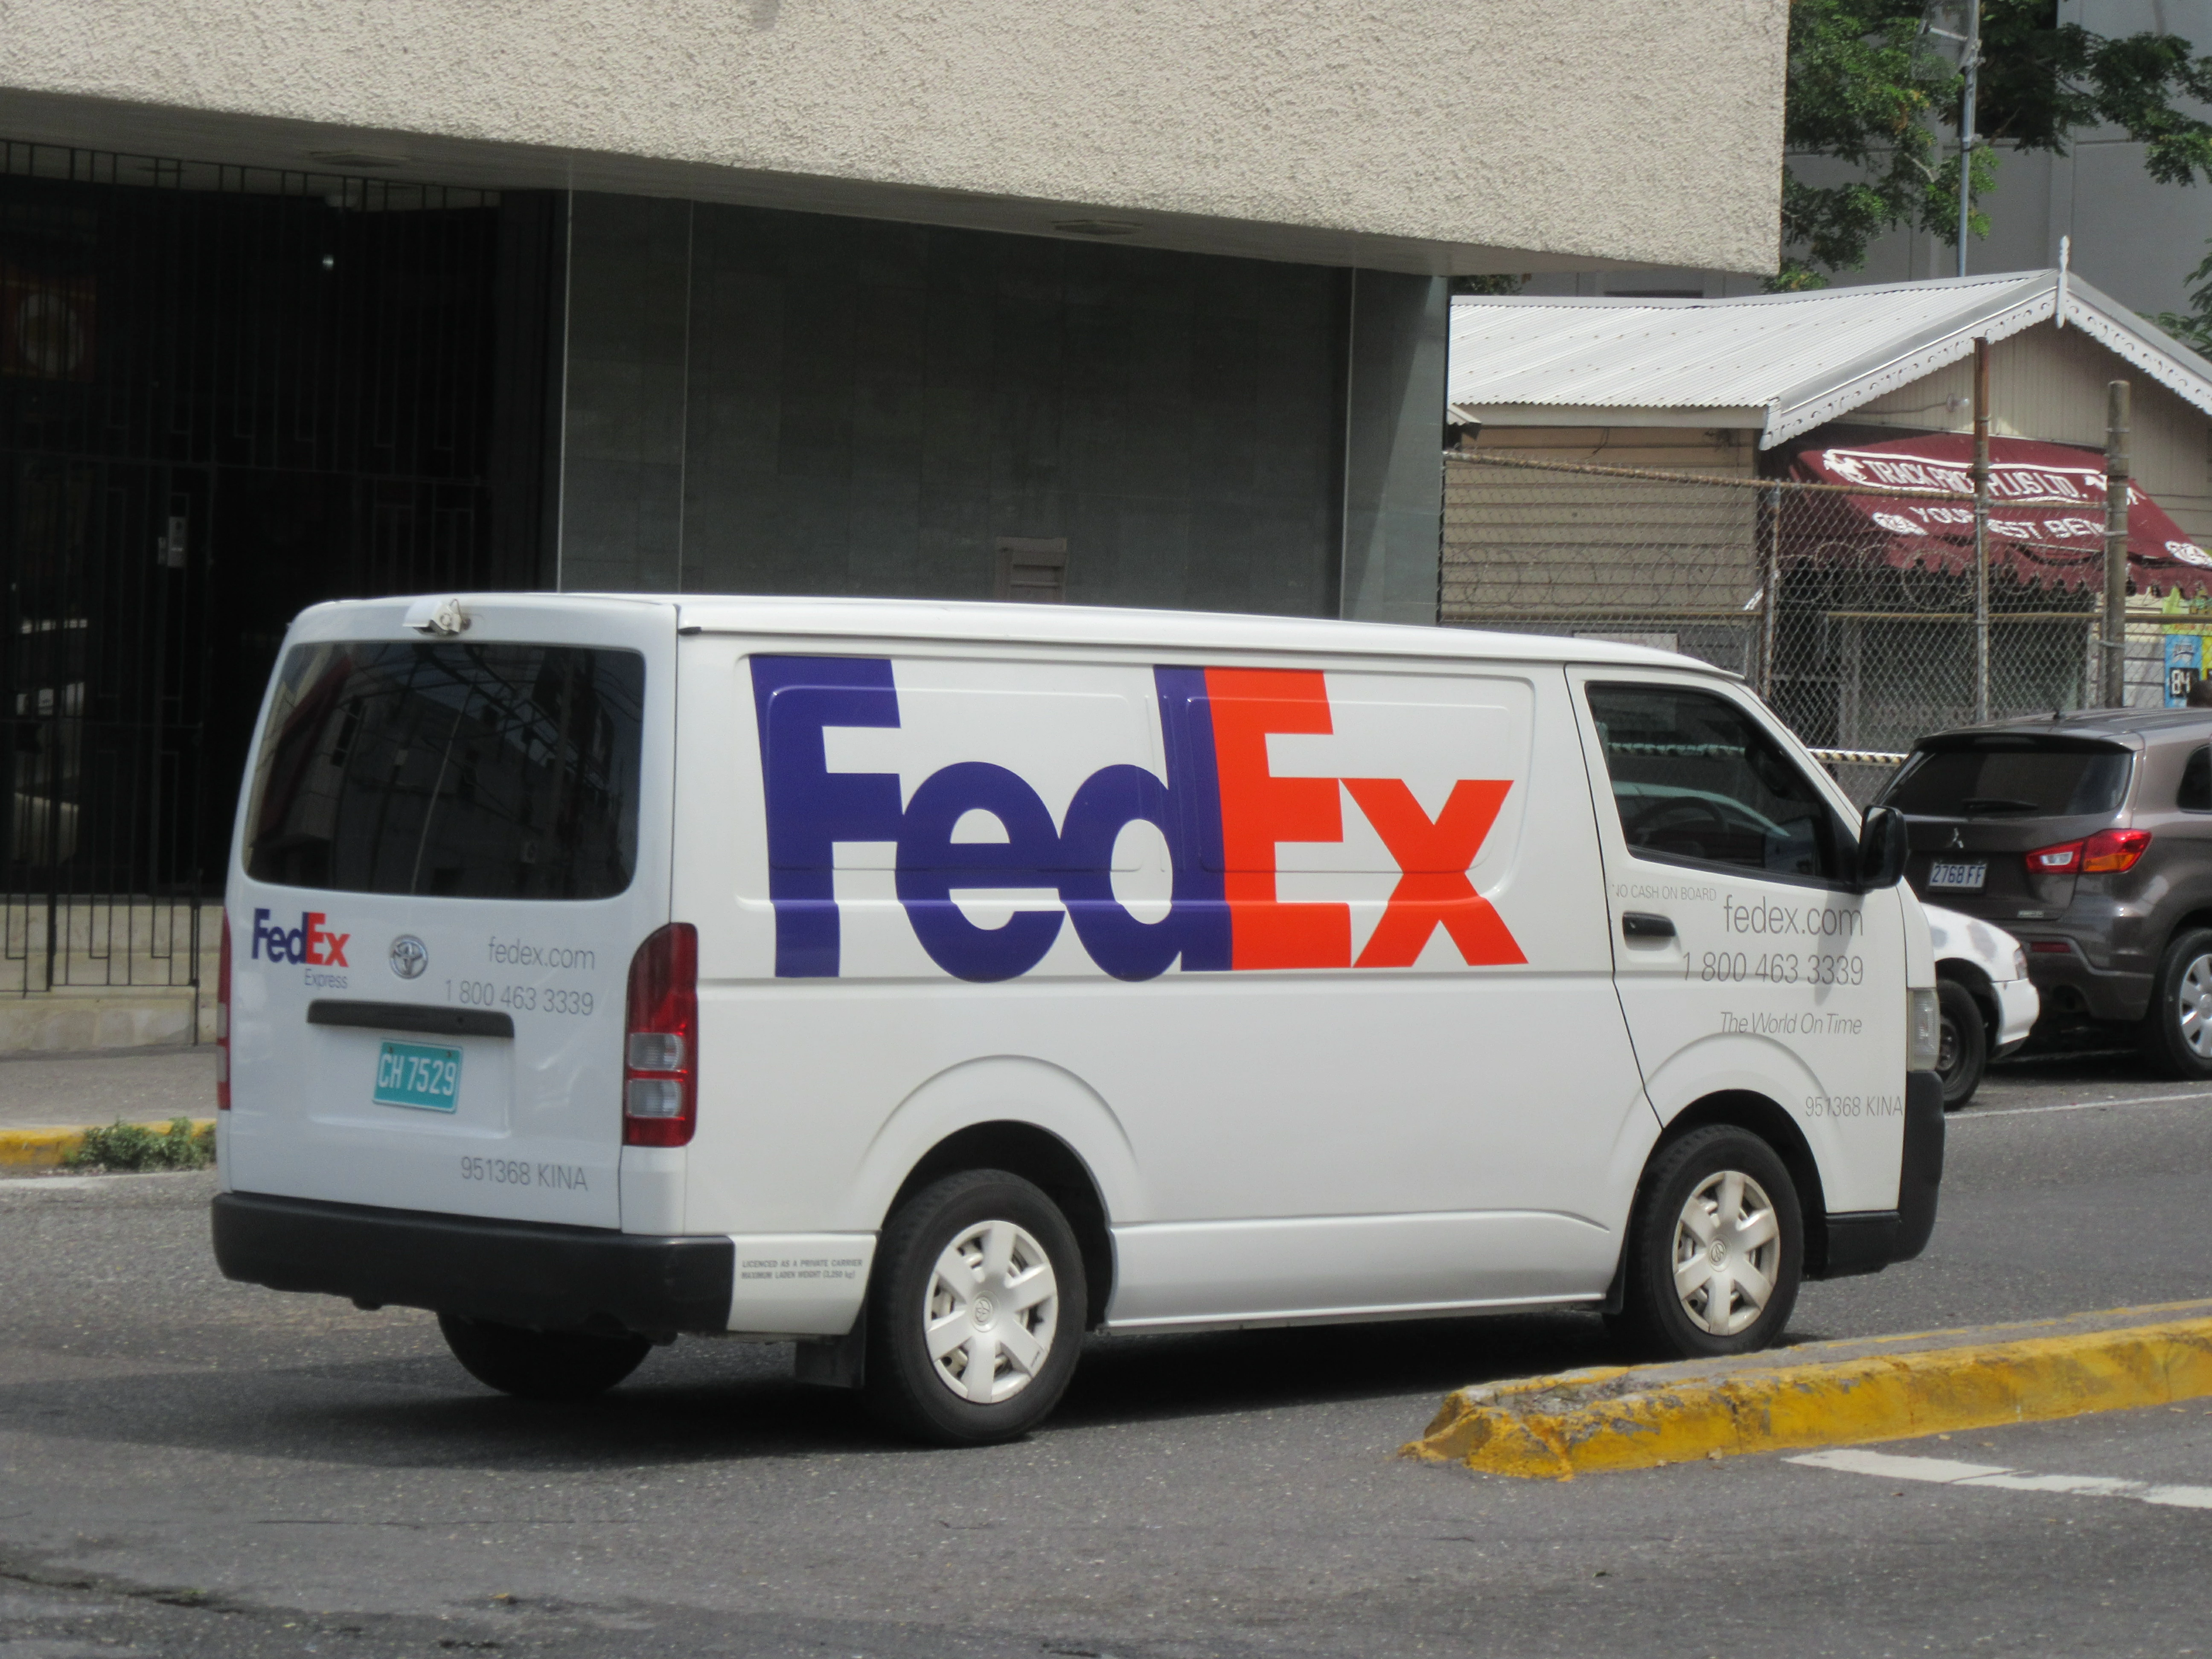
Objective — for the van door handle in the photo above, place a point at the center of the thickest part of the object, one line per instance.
(1642, 924)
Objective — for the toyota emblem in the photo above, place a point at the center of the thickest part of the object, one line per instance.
(409, 956)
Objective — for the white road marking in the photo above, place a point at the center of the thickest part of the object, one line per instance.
(1943, 1471)
(1969, 1116)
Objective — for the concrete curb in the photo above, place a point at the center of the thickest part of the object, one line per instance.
(1825, 1393)
(45, 1149)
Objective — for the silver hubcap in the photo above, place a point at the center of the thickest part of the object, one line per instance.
(1727, 1246)
(2194, 1005)
(993, 1306)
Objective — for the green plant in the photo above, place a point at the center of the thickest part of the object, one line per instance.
(2193, 331)
(134, 1148)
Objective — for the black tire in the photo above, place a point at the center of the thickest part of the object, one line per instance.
(907, 1389)
(2177, 1031)
(1654, 1319)
(541, 1364)
(1966, 1049)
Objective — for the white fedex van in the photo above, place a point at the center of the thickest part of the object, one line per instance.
(934, 983)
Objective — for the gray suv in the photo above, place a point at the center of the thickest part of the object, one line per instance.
(2087, 836)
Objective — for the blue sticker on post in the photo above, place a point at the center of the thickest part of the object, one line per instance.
(417, 1075)
(2184, 666)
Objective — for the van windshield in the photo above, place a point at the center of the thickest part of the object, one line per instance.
(2011, 778)
(458, 770)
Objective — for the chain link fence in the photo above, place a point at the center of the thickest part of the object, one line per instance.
(1819, 596)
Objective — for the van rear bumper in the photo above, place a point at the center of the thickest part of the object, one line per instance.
(1866, 1242)
(514, 1272)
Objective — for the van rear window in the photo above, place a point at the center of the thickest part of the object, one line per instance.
(456, 770)
(2011, 778)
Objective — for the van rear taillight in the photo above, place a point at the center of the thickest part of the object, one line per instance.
(222, 1021)
(660, 1040)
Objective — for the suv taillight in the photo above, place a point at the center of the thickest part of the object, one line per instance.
(2063, 861)
(2111, 851)
(2107, 852)
(222, 1020)
(660, 1040)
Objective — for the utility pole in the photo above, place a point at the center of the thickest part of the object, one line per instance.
(1968, 45)
(2117, 493)
(1981, 530)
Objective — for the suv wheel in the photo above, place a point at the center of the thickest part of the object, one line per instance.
(1716, 1248)
(2177, 1032)
(1966, 1045)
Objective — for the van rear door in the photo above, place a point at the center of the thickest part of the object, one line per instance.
(451, 844)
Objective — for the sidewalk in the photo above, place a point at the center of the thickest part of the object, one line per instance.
(74, 1091)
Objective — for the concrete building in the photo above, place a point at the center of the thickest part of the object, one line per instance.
(1142, 303)
(2136, 239)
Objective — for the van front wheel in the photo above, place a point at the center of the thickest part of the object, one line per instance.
(975, 1311)
(1716, 1248)
(541, 1364)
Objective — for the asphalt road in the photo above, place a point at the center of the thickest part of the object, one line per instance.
(193, 1467)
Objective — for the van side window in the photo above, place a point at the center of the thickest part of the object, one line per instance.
(453, 770)
(1697, 780)
(2195, 794)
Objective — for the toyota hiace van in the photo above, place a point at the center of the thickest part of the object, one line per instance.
(932, 984)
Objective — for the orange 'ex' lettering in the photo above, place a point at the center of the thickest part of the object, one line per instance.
(1433, 891)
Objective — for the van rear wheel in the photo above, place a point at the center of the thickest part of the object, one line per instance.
(1716, 1248)
(977, 1311)
(541, 1364)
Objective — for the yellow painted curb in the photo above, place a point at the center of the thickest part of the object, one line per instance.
(1640, 1418)
(45, 1149)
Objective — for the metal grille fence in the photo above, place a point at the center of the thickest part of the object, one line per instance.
(1797, 586)
(225, 393)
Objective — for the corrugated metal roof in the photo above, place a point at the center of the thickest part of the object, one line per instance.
(1805, 358)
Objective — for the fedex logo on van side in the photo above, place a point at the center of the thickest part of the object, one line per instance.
(310, 943)
(1222, 813)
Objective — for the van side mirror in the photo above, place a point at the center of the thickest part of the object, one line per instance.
(1882, 848)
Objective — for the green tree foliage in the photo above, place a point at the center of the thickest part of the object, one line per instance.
(1866, 88)
(2193, 330)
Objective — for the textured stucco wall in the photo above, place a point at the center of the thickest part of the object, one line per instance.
(1423, 134)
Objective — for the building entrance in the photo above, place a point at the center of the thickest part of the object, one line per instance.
(226, 394)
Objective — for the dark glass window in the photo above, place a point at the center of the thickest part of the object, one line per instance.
(1696, 779)
(2007, 776)
(2195, 794)
(458, 770)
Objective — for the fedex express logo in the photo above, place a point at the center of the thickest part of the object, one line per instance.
(1221, 810)
(310, 943)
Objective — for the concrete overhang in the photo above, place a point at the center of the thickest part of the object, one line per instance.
(150, 132)
(1324, 131)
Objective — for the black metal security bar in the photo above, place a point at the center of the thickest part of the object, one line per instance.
(225, 393)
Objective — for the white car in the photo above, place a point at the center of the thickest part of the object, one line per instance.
(1988, 1000)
